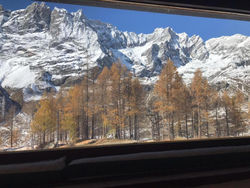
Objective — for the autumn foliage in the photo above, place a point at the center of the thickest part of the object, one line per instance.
(112, 103)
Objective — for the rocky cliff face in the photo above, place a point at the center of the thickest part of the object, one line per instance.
(42, 48)
(7, 106)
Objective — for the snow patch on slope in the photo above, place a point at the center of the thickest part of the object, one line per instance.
(19, 77)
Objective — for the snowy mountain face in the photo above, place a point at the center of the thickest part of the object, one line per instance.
(42, 48)
(228, 62)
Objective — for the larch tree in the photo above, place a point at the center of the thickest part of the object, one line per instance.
(29, 108)
(164, 91)
(115, 94)
(179, 100)
(137, 104)
(226, 103)
(216, 104)
(103, 82)
(207, 102)
(197, 90)
(236, 113)
(124, 100)
(59, 103)
(183, 102)
(153, 116)
(72, 112)
(44, 120)
(93, 101)
(10, 119)
(84, 99)
(127, 90)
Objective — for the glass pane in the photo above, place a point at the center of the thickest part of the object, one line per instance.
(86, 76)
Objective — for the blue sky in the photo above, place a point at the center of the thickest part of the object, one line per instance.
(146, 22)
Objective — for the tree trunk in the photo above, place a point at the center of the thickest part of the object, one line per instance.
(3, 108)
(193, 129)
(208, 129)
(130, 127)
(93, 127)
(135, 127)
(199, 123)
(227, 122)
(57, 128)
(117, 133)
(124, 133)
(153, 129)
(169, 127)
(158, 126)
(11, 133)
(186, 119)
(78, 129)
(172, 127)
(179, 128)
(85, 130)
(103, 131)
(44, 136)
(218, 133)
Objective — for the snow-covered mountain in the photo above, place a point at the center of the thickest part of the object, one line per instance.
(42, 48)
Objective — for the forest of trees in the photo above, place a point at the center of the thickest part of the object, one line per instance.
(112, 103)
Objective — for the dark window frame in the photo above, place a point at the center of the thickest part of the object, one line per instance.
(230, 9)
(233, 165)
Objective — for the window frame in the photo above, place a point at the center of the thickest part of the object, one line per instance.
(199, 164)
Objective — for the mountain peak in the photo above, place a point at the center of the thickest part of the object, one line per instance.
(61, 10)
(37, 7)
(79, 14)
(4, 14)
(35, 18)
(161, 30)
